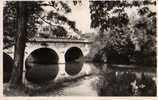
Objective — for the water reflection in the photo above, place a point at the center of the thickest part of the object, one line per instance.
(129, 82)
(105, 80)
(40, 73)
(73, 68)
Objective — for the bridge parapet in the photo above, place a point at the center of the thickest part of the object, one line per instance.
(60, 46)
(61, 40)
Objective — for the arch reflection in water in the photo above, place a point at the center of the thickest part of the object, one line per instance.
(7, 67)
(41, 65)
(73, 68)
(74, 61)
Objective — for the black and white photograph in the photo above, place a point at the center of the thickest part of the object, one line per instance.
(92, 48)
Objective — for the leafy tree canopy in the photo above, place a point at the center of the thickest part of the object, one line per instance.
(118, 33)
(34, 10)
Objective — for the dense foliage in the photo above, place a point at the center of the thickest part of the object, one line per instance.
(35, 18)
(10, 20)
(121, 38)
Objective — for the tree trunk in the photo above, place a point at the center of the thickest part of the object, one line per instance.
(16, 78)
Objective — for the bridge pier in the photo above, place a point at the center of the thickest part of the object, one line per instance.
(62, 59)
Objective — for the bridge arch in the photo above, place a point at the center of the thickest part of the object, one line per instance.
(41, 65)
(74, 60)
(8, 64)
(42, 55)
(73, 54)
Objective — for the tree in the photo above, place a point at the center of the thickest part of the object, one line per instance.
(9, 24)
(59, 31)
(116, 31)
(10, 20)
(17, 26)
(20, 45)
(145, 36)
(35, 13)
(22, 18)
(56, 20)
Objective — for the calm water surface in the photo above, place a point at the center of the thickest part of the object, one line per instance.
(106, 80)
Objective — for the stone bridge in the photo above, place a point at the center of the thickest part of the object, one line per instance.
(51, 51)
(59, 46)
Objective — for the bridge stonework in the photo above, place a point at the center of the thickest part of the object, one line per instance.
(60, 47)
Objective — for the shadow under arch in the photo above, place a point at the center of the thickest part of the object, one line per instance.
(42, 65)
(8, 64)
(74, 59)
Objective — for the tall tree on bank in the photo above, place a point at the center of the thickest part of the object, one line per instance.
(20, 44)
(24, 11)
(19, 21)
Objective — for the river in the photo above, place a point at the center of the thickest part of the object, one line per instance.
(106, 80)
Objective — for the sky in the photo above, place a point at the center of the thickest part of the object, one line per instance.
(81, 15)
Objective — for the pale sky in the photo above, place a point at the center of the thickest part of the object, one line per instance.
(81, 15)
